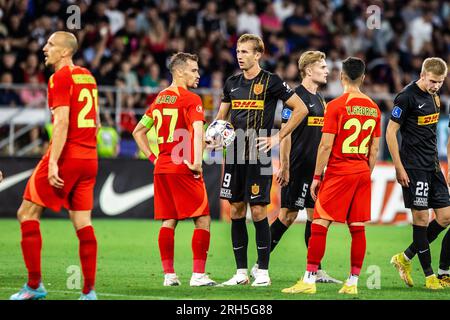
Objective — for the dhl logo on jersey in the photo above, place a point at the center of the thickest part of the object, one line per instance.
(428, 119)
(315, 121)
(247, 104)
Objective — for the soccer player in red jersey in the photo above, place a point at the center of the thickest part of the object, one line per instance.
(180, 192)
(348, 148)
(65, 176)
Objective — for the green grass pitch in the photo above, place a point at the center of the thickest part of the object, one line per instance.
(129, 265)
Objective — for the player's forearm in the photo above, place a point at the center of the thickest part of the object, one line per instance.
(59, 138)
(143, 143)
(223, 111)
(373, 153)
(323, 154)
(448, 151)
(198, 144)
(285, 151)
(391, 140)
(299, 112)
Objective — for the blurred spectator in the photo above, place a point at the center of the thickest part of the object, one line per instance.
(420, 30)
(9, 64)
(8, 96)
(270, 22)
(283, 9)
(248, 21)
(298, 29)
(33, 96)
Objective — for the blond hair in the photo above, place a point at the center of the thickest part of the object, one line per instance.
(435, 65)
(69, 40)
(259, 44)
(307, 58)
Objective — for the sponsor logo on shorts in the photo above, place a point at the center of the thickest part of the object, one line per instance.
(421, 202)
(225, 193)
(300, 202)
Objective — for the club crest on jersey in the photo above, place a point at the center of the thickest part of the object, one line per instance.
(199, 108)
(255, 189)
(396, 112)
(437, 101)
(258, 88)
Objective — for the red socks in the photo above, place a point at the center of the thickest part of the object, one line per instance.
(31, 248)
(358, 248)
(200, 247)
(166, 242)
(88, 256)
(316, 247)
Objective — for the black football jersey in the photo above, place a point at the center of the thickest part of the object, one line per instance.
(417, 112)
(253, 104)
(306, 137)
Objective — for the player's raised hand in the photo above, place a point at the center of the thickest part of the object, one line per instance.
(195, 168)
(266, 143)
(402, 177)
(315, 185)
(53, 177)
(283, 176)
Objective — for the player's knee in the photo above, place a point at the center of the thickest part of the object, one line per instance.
(258, 215)
(202, 222)
(25, 213)
(443, 220)
(238, 211)
(288, 218)
(420, 219)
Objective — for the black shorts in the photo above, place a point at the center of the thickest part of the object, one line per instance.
(296, 195)
(250, 183)
(427, 189)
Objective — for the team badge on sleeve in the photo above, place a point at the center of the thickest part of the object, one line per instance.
(286, 114)
(396, 112)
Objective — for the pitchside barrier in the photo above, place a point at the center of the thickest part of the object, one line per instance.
(124, 189)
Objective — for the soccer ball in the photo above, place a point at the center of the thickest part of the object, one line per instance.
(220, 133)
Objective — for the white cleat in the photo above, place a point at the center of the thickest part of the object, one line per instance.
(201, 280)
(323, 277)
(262, 279)
(254, 270)
(171, 280)
(238, 279)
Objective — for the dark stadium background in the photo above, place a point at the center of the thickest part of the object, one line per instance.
(126, 45)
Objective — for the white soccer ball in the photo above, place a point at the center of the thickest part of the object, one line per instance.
(220, 133)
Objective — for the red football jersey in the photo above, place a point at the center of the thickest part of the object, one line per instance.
(76, 88)
(173, 115)
(354, 119)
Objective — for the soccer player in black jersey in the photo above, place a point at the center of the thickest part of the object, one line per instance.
(416, 113)
(298, 153)
(252, 97)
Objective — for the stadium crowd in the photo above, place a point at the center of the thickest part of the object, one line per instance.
(127, 43)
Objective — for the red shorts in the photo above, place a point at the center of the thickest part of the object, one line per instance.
(344, 198)
(179, 196)
(79, 177)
